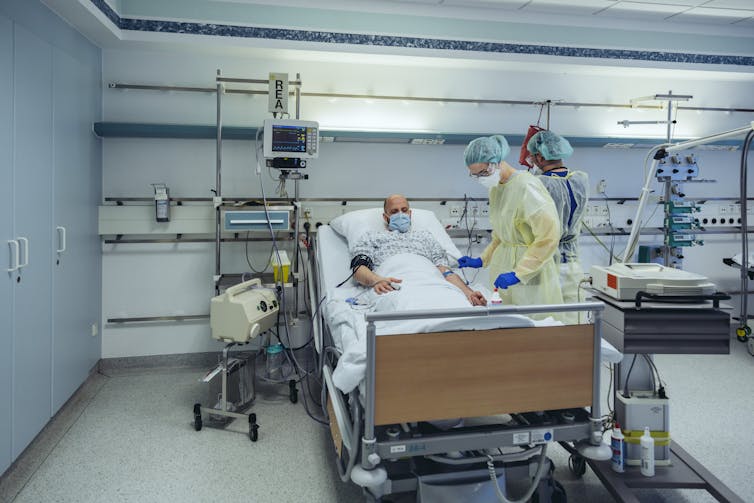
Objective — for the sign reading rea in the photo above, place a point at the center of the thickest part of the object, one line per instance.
(278, 93)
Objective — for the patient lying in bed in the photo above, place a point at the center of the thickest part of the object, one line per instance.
(421, 286)
(374, 248)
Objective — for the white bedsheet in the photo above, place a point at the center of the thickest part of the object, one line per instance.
(423, 287)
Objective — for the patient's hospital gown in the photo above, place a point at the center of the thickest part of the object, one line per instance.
(381, 245)
(525, 236)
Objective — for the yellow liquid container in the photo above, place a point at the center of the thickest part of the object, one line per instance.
(281, 269)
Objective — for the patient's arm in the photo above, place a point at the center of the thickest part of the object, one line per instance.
(475, 297)
(381, 284)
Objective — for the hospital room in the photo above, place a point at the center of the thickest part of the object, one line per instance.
(380, 251)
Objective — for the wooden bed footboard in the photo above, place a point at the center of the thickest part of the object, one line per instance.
(443, 375)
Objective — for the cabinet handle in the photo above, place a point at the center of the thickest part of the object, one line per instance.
(26, 252)
(12, 243)
(61, 238)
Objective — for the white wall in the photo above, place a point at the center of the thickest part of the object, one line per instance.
(167, 279)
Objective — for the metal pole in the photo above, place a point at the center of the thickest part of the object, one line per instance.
(596, 418)
(370, 378)
(597, 361)
(218, 181)
(666, 249)
(298, 95)
(296, 212)
(549, 102)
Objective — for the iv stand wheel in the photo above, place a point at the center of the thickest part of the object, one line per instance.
(743, 333)
(253, 428)
(293, 391)
(577, 464)
(198, 417)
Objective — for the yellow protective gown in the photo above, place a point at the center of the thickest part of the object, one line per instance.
(525, 236)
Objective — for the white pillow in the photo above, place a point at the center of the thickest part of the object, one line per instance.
(354, 224)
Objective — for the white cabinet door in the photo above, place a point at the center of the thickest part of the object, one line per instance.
(6, 233)
(32, 340)
(76, 279)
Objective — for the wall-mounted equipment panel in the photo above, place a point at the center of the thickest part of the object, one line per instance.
(279, 218)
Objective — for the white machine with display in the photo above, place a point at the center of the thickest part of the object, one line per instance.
(293, 139)
(624, 281)
(242, 312)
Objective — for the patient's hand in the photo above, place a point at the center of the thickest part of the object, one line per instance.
(476, 298)
(384, 286)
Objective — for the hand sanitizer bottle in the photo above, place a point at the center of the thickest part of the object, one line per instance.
(647, 454)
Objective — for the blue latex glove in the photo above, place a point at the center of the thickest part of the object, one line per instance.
(506, 279)
(465, 261)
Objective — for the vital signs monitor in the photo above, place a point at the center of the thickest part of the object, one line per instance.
(291, 138)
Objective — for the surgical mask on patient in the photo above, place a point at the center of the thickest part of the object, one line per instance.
(399, 222)
(491, 180)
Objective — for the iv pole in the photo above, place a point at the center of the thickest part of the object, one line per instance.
(633, 238)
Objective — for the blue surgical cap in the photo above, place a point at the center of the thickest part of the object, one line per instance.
(552, 146)
(486, 149)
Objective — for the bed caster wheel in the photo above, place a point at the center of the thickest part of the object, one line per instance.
(577, 464)
(558, 494)
(198, 417)
(293, 391)
(253, 428)
(743, 333)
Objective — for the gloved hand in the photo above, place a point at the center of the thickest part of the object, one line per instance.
(465, 261)
(506, 279)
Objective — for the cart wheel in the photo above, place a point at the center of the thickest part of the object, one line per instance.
(741, 334)
(253, 428)
(197, 416)
(293, 391)
(577, 464)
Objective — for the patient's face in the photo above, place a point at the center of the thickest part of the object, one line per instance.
(396, 205)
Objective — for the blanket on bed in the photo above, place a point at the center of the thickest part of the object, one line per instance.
(423, 287)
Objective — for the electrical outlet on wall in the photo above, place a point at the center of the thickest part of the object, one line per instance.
(95, 330)
(601, 186)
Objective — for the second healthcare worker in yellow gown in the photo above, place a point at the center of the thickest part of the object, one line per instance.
(525, 228)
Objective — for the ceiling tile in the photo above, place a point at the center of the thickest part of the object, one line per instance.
(649, 12)
(568, 7)
(745, 22)
(731, 4)
(487, 4)
(639, 3)
(712, 16)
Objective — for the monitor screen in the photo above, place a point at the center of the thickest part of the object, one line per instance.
(288, 138)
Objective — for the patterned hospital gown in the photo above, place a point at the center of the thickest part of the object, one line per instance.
(381, 245)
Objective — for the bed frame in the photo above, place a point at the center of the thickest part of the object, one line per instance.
(414, 378)
(461, 374)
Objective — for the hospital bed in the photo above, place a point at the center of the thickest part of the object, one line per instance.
(518, 386)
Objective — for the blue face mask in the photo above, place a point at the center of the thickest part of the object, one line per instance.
(399, 222)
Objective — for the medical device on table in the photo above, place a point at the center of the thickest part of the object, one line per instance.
(624, 281)
(239, 314)
(242, 312)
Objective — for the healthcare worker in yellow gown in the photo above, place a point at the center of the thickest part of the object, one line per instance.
(569, 190)
(525, 228)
